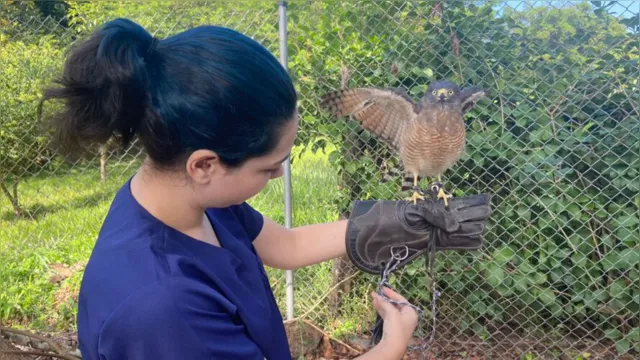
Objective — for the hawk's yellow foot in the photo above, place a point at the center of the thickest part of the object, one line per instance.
(438, 188)
(415, 196)
(444, 196)
(416, 191)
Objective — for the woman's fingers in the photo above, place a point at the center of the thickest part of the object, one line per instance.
(392, 294)
(397, 297)
(383, 307)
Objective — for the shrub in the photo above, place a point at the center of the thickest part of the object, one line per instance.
(26, 68)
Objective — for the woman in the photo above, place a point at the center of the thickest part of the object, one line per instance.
(177, 269)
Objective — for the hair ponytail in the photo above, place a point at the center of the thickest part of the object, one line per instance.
(104, 86)
(208, 87)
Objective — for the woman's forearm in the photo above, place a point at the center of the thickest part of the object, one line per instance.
(319, 242)
(384, 350)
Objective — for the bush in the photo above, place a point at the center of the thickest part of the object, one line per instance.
(557, 144)
(26, 68)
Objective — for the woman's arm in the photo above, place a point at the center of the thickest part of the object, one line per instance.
(284, 248)
(383, 350)
(290, 249)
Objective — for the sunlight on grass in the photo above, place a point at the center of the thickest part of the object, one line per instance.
(66, 212)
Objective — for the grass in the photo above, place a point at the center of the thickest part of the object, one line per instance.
(66, 211)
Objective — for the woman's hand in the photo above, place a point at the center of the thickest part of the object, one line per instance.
(400, 321)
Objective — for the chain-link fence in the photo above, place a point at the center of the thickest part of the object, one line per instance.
(556, 142)
(51, 209)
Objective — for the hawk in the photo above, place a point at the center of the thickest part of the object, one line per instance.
(429, 135)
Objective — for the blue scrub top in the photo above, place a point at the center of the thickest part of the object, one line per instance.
(151, 292)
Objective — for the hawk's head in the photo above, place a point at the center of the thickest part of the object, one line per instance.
(443, 92)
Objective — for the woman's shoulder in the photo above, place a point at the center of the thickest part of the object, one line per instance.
(241, 219)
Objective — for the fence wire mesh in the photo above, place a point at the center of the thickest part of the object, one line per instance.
(556, 142)
(51, 208)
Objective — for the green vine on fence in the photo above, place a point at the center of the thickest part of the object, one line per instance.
(558, 145)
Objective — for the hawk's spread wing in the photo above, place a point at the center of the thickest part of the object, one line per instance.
(383, 112)
(470, 95)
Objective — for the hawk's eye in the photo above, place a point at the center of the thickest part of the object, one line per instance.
(450, 92)
(434, 92)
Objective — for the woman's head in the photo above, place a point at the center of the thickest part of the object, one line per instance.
(209, 101)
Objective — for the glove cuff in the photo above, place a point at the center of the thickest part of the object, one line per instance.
(374, 228)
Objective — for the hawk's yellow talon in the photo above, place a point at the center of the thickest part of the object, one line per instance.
(415, 196)
(444, 196)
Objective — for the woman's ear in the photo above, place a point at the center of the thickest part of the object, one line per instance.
(203, 165)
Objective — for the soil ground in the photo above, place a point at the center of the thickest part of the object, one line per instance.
(319, 346)
(5, 345)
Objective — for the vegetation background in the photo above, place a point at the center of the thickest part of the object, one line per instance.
(557, 143)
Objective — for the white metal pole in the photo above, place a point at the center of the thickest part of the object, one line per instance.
(282, 10)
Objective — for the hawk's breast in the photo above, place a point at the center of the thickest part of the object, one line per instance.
(433, 142)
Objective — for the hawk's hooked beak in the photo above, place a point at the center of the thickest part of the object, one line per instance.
(442, 94)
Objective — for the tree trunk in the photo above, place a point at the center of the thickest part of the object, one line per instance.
(12, 196)
(103, 164)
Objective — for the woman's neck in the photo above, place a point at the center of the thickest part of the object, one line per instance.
(168, 198)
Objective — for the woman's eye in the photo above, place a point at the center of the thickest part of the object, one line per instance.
(273, 171)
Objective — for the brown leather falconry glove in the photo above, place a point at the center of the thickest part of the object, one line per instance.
(375, 228)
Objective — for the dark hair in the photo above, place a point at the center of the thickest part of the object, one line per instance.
(208, 87)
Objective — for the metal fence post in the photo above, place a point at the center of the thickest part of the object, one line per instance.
(282, 10)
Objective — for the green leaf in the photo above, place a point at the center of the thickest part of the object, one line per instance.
(334, 156)
(628, 220)
(428, 72)
(494, 275)
(520, 283)
(525, 267)
(613, 334)
(634, 334)
(547, 296)
(480, 307)
(617, 289)
(579, 259)
(622, 346)
(503, 255)
(590, 301)
(538, 278)
(505, 290)
(621, 260)
(574, 210)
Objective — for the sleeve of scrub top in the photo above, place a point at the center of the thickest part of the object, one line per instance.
(251, 219)
(177, 318)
